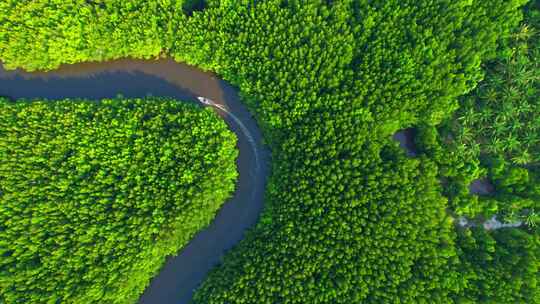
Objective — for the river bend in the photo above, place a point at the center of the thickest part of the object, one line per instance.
(182, 273)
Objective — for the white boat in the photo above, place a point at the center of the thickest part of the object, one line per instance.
(206, 101)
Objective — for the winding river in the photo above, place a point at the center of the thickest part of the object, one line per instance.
(182, 273)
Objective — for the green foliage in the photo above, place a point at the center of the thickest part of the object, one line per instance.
(348, 218)
(330, 241)
(501, 266)
(43, 34)
(324, 79)
(496, 131)
(95, 195)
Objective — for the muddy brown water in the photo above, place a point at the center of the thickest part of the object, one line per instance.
(182, 273)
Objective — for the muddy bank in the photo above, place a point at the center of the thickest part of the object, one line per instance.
(181, 274)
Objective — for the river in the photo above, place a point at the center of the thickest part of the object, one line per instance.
(182, 273)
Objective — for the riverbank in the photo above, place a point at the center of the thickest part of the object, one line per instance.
(181, 274)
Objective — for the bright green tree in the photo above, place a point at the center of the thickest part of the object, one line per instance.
(95, 195)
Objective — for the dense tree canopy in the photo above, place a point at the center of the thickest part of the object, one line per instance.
(348, 219)
(95, 195)
(330, 84)
(502, 266)
(496, 132)
(43, 34)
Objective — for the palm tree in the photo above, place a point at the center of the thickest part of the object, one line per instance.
(511, 144)
(490, 94)
(532, 219)
(522, 159)
(525, 33)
